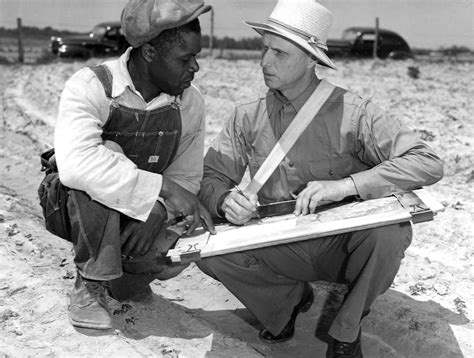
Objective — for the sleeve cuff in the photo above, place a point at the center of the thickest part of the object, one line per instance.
(371, 185)
(365, 186)
(218, 199)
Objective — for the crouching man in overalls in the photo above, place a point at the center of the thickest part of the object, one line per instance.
(129, 143)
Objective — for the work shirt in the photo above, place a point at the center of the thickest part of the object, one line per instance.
(349, 137)
(107, 175)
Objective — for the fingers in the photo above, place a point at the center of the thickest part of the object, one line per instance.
(196, 219)
(308, 199)
(206, 220)
(138, 249)
(253, 199)
(146, 246)
(313, 202)
(199, 216)
(238, 209)
(248, 203)
(129, 245)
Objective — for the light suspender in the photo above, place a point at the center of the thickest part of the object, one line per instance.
(297, 126)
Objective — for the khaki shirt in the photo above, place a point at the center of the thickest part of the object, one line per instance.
(349, 137)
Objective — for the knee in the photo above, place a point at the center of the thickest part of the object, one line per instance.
(207, 266)
(216, 266)
(390, 240)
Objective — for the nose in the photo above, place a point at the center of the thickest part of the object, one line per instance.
(194, 65)
(265, 60)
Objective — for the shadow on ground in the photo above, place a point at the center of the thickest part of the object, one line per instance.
(398, 326)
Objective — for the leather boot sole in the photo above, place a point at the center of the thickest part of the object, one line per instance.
(90, 325)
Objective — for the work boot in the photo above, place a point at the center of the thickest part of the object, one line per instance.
(288, 331)
(131, 287)
(88, 305)
(338, 349)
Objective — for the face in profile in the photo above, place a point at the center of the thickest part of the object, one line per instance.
(173, 71)
(283, 63)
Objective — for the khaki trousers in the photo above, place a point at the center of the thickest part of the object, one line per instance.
(270, 281)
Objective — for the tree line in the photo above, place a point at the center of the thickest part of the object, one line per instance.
(224, 42)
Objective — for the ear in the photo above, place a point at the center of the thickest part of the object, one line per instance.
(312, 61)
(148, 52)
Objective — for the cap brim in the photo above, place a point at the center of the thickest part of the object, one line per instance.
(202, 10)
(314, 50)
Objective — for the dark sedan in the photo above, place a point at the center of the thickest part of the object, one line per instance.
(359, 41)
(105, 39)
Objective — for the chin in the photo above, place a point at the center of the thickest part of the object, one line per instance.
(176, 92)
(271, 84)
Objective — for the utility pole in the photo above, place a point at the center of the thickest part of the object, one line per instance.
(211, 39)
(21, 53)
(376, 40)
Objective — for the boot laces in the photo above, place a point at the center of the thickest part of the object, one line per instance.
(96, 289)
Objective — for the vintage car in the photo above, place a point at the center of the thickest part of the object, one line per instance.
(359, 41)
(105, 39)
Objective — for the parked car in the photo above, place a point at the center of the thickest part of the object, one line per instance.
(359, 41)
(105, 39)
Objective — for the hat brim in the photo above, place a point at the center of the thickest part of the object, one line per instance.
(314, 50)
(202, 10)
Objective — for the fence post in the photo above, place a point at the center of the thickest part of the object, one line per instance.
(376, 40)
(21, 54)
(211, 39)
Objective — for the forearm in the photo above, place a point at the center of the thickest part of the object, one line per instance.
(418, 167)
(399, 159)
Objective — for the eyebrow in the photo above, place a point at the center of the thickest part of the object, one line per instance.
(279, 49)
(274, 48)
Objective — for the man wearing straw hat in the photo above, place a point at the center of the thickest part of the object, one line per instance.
(129, 141)
(350, 148)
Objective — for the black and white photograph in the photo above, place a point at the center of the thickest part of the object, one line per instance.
(237, 178)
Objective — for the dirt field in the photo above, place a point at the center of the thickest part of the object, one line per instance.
(428, 312)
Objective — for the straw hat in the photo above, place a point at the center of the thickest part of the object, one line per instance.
(143, 20)
(304, 22)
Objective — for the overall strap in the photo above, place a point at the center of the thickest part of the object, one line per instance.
(104, 75)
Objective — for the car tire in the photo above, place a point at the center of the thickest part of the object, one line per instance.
(399, 55)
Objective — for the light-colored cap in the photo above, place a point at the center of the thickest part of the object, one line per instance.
(304, 22)
(143, 20)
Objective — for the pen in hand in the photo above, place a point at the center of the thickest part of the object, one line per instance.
(246, 197)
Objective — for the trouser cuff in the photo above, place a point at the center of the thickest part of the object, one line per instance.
(96, 277)
(343, 334)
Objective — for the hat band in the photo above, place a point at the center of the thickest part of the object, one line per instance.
(312, 40)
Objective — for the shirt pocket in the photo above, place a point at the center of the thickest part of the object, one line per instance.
(255, 162)
(330, 168)
(276, 187)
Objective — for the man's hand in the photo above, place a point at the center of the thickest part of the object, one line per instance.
(239, 209)
(323, 192)
(186, 203)
(137, 237)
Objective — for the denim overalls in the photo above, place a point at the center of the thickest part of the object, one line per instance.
(150, 139)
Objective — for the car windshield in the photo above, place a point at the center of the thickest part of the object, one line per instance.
(349, 35)
(98, 31)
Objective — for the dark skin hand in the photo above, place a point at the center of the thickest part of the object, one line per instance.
(137, 237)
(185, 202)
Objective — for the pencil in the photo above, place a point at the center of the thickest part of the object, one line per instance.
(246, 197)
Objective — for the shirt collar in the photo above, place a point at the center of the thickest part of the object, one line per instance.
(298, 102)
(122, 80)
(120, 75)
